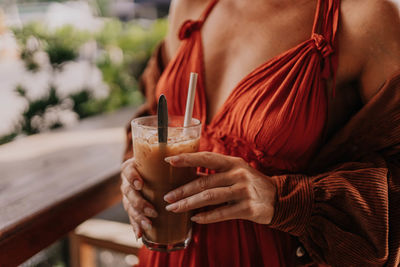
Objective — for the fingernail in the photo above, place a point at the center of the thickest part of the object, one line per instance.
(149, 212)
(194, 218)
(171, 207)
(137, 184)
(169, 197)
(172, 159)
(146, 226)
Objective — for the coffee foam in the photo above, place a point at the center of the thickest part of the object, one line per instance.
(174, 138)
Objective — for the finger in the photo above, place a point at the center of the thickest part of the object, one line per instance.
(125, 203)
(139, 225)
(128, 162)
(137, 202)
(129, 173)
(135, 228)
(142, 222)
(200, 184)
(208, 197)
(225, 213)
(209, 160)
(133, 178)
(133, 213)
(139, 218)
(129, 192)
(135, 181)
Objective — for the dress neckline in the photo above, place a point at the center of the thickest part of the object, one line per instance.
(270, 61)
(241, 81)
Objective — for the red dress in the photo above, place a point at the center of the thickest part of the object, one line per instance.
(274, 119)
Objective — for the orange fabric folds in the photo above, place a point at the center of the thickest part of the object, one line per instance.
(274, 119)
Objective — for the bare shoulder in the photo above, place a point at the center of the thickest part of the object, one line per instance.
(180, 11)
(374, 27)
(377, 18)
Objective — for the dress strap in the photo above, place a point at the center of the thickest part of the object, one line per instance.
(324, 34)
(192, 25)
(326, 19)
(208, 10)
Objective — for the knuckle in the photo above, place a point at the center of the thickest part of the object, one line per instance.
(179, 193)
(250, 209)
(186, 205)
(135, 220)
(125, 189)
(247, 192)
(206, 155)
(231, 192)
(208, 195)
(239, 160)
(243, 190)
(124, 165)
(182, 204)
(131, 214)
(134, 213)
(203, 183)
(242, 172)
(239, 172)
(128, 206)
(131, 176)
(124, 178)
(137, 205)
(135, 201)
(125, 203)
(124, 175)
(219, 213)
(183, 158)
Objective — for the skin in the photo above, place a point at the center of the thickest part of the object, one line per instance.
(369, 45)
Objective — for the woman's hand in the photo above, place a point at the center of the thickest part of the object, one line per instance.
(135, 205)
(247, 193)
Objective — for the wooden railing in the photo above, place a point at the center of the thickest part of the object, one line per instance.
(52, 182)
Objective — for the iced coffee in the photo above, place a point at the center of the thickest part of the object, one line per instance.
(170, 231)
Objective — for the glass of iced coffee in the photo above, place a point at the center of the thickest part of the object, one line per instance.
(170, 231)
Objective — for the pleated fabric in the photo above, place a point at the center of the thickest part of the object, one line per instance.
(274, 119)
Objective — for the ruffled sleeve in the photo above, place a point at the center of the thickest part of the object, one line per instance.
(349, 215)
(342, 216)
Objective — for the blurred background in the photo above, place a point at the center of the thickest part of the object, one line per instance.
(63, 61)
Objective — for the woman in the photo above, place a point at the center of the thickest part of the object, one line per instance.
(299, 102)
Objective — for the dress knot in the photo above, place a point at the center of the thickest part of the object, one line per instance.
(322, 45)
(187, 28)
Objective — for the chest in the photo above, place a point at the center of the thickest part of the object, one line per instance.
(237, 40)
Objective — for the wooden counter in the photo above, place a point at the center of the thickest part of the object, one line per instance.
(52, 182)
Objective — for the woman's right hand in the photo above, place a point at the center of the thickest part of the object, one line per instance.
(136, 206)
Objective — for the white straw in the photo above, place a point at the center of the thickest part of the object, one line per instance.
(190, 99)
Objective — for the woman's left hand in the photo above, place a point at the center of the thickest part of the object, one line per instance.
(247, 193)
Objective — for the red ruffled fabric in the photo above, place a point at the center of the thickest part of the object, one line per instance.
(274, 119)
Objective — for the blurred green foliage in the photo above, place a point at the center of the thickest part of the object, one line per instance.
(122, 51)
(137, 43)
(37, 107)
